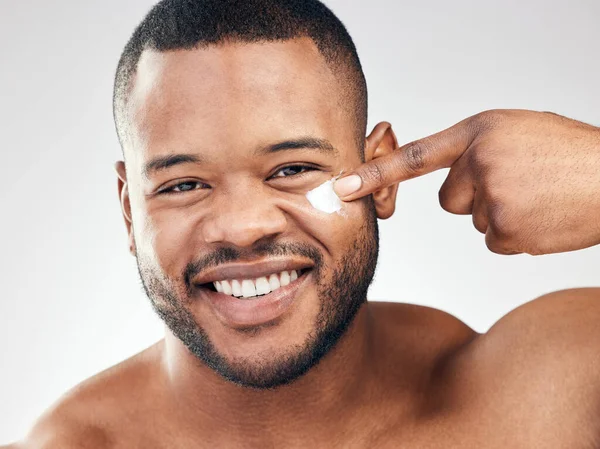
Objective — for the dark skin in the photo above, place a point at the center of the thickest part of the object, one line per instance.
(403, 374)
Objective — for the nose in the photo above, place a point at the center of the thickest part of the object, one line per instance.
(242, 217)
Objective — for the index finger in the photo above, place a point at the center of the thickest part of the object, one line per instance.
(409, 161)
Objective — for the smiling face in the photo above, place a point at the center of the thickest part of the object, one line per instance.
(224, 143)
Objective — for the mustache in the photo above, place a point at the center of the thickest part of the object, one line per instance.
(225, 255)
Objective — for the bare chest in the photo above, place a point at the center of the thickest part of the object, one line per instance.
(501, 427)
(464, 430)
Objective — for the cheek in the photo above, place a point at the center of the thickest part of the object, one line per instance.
(339, 230)
(167, 238)
(336, 231)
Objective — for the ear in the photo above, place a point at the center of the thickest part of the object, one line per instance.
(125, 203)
(381, 142)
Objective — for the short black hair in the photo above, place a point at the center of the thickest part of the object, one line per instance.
(189, 24)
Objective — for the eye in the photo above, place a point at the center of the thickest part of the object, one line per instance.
(182, 187)
(292, 170)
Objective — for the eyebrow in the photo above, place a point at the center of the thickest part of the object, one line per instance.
(161, 163)
(302, 143)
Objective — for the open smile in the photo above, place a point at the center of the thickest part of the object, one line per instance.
(251, 288)
(253, 302)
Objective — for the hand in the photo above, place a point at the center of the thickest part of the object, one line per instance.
(531, 180)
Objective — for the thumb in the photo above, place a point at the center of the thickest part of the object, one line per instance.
(414, 159)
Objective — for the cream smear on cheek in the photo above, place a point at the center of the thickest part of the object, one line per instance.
(324, 199)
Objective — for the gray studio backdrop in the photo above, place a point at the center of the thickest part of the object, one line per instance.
(72, 303)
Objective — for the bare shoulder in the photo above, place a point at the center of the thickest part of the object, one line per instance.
(417, 318)
(431, 335)
(563, 322)
(557, 332)
(92, 414)
(543, 357)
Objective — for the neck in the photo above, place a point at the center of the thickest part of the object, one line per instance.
(330, 392)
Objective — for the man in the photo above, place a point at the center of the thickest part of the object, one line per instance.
(229, 112)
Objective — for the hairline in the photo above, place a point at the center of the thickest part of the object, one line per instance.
(342, 71)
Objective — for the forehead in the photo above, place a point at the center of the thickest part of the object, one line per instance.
(235, 95)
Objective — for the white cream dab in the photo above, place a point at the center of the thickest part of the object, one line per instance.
(324, 198)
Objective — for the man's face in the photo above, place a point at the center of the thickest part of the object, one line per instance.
(260, 125)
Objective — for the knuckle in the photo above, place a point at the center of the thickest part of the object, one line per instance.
(444, 198)
(373, 174)
(450, 203)
(503, 224)
(480, 222)
(415, 155)
(456, 195)
(499, 247)
(494, 244)
(444, 194)
(497, 244)
(488, 120)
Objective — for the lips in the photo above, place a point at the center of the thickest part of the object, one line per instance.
(254, 270)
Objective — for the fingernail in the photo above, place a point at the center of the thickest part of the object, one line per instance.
(347, 186)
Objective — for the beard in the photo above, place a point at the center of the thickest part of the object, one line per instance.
(340, 297)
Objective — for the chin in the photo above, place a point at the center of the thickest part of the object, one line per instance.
(276, 339)
(267, 365)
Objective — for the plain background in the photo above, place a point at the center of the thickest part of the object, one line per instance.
(72, 303)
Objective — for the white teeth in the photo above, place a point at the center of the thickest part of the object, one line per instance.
(226, 286)
(236, 288)
(274, 282)
(262, 286)
(248, 288)
(284, 278)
